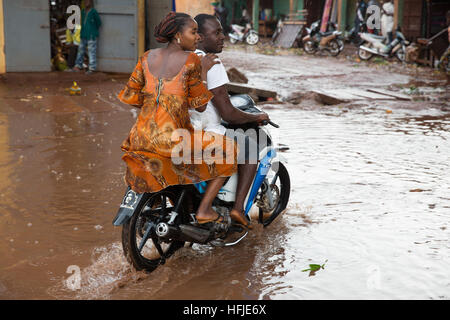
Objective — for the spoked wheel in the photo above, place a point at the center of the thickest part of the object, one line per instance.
(278, 184)
(139, 241)
(334, 48)
(401, 54)
(309, 47)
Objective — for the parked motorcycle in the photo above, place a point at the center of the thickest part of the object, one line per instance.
(330, 41)
(241, 33)
(377, 45)
(155, 225)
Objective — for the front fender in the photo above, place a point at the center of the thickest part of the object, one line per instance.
(130, 202)
(279, 158)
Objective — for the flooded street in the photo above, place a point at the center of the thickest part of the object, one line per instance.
(370, 199)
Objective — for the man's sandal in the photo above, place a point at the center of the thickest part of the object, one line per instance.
(220, 220)
(242, 221)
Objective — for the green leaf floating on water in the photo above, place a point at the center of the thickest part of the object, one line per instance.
(313, 268)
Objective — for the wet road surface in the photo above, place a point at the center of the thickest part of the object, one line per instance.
(370, 194)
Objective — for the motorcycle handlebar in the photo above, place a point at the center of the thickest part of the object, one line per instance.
(265, 122)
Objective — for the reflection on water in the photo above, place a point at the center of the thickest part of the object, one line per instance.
(370, 197)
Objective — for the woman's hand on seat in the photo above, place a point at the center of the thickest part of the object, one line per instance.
(209, 60)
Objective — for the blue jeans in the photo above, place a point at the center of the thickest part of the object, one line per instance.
(92, 53)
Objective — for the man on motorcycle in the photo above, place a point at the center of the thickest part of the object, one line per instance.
(212, 41)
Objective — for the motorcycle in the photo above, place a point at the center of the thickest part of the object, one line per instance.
(156, 225)
(241, 33)
(316, 40)
(377, 45)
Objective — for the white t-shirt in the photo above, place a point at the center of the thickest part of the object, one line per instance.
(210, 120)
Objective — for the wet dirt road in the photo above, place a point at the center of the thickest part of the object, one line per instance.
(370, 198)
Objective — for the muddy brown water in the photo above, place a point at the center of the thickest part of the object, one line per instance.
(370, 202)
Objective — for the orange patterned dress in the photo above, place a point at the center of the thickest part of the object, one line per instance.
(164, 107)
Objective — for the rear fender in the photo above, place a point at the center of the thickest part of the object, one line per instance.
(130, 202)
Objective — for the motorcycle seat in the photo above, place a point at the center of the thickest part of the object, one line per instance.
(326, 34)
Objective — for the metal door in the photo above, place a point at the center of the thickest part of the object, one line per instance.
(27, 35)
(157, 10)
(118, 35)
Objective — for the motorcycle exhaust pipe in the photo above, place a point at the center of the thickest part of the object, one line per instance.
(372, 51)
(185, 232)
(194, 234)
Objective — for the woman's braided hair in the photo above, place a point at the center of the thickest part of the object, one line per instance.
(166, 30)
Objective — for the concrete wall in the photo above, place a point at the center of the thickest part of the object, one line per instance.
(2, 41)
(194, 8)
(282, 7)
(156, 10)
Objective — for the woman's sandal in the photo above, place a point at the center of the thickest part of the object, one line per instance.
(242, 221)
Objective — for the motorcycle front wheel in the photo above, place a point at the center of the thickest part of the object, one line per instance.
(252, 38)
(309, 47)
(280, 189)
(139, 241)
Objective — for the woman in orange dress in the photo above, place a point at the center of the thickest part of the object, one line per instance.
(166, 82)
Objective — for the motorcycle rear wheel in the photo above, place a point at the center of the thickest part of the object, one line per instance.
(400, 54)
(280, 185)
(233, 40)
(153, 211)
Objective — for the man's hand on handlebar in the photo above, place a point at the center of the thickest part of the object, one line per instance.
(262, 118)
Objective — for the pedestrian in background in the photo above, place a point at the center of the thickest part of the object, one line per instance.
(387, 20)
(90, 23)
(361, 9)
(360, 14)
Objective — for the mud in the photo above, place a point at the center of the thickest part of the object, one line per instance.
(370, 191)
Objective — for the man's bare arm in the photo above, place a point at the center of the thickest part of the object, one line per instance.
(231, 114)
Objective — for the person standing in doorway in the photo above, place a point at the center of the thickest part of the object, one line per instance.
(90, 23)
(73, 39)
